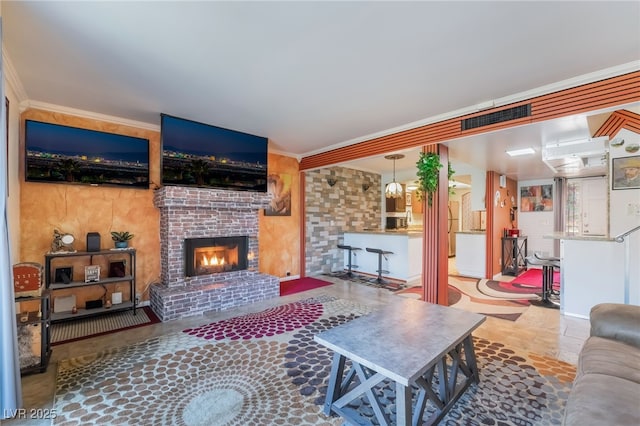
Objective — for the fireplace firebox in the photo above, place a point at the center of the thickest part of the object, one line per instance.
(205, 256)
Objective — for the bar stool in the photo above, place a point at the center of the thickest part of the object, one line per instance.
(351, 250)
(548, 265)
(380, 271)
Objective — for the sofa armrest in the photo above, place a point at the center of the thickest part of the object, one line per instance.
(616, 321)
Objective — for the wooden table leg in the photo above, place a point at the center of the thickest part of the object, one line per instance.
(403, 404)
(470, 356)
(333, 390)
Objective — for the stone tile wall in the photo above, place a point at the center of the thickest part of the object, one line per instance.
(330, 211)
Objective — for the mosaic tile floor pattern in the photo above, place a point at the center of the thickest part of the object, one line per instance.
(232, 373)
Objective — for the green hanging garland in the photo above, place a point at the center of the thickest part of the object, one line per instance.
(428, 170)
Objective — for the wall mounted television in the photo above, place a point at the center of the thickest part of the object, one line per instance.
(63, 154)
(206, 156)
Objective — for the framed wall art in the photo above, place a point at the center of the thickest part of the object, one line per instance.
(279, 188)
(625, 172)
(536, 198)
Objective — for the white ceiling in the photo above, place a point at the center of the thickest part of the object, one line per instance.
(314, 75)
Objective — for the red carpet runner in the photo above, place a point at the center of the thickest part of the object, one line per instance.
(301, 284)
(533, 278)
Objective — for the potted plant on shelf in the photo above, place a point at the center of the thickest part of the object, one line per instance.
(428, 170)
(121, 238)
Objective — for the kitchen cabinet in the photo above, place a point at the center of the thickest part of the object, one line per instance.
(471, 253)
(416, 203)
(397, 205)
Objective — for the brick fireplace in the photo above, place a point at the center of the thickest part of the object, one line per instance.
(227, 219)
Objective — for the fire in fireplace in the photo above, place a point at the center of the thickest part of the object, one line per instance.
(215, 255)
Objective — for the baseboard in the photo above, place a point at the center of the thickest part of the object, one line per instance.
(289, 278)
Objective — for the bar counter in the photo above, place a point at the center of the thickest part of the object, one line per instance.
(404, 264)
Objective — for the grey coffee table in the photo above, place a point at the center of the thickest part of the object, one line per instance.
(411, 343)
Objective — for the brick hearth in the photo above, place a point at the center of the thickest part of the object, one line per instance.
(199, 213)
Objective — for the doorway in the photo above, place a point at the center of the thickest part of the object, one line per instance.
(587, 206)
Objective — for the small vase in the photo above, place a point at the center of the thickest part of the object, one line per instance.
(122, 244)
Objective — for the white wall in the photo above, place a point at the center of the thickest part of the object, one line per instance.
(535, 225)
(625, 215)
(605, 271)
(478, 183)
(621, 216)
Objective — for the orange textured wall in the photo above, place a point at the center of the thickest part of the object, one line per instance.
(501, 218)
(79, 209)
(279, 241)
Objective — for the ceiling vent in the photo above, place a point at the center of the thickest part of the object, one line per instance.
(496, 117)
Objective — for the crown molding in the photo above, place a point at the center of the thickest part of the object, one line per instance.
(91, 115)
(11, 77)
(492, 103)
(298, 157)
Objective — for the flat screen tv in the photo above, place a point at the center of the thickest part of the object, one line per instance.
(206, 156)
(63, 154)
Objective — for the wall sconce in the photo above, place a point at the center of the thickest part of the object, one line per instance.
(331, 180)
(365, 187)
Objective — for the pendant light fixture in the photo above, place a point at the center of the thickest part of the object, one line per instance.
(393, 189)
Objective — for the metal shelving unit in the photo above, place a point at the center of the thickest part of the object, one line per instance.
(129, 277)
(514, 252)
(43, 320)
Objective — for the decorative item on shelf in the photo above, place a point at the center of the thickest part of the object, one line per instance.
(93, 304)
(27, 279)
(121, 239)
(91, 273)
(116, 298)
(63, 275)
(117, 269)
(93, 241)
(393, 189)
(633, 148)
(62, 242)
(64, 303)
(74, 310)
(616, 142)
(428, 170)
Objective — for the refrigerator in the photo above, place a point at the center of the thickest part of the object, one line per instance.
(454, 225)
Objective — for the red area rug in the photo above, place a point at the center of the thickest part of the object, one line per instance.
(301, 284)
(533, 278)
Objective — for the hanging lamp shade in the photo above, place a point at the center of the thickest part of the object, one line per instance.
(393, 189)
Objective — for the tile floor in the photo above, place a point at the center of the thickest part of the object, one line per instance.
(540, 330)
